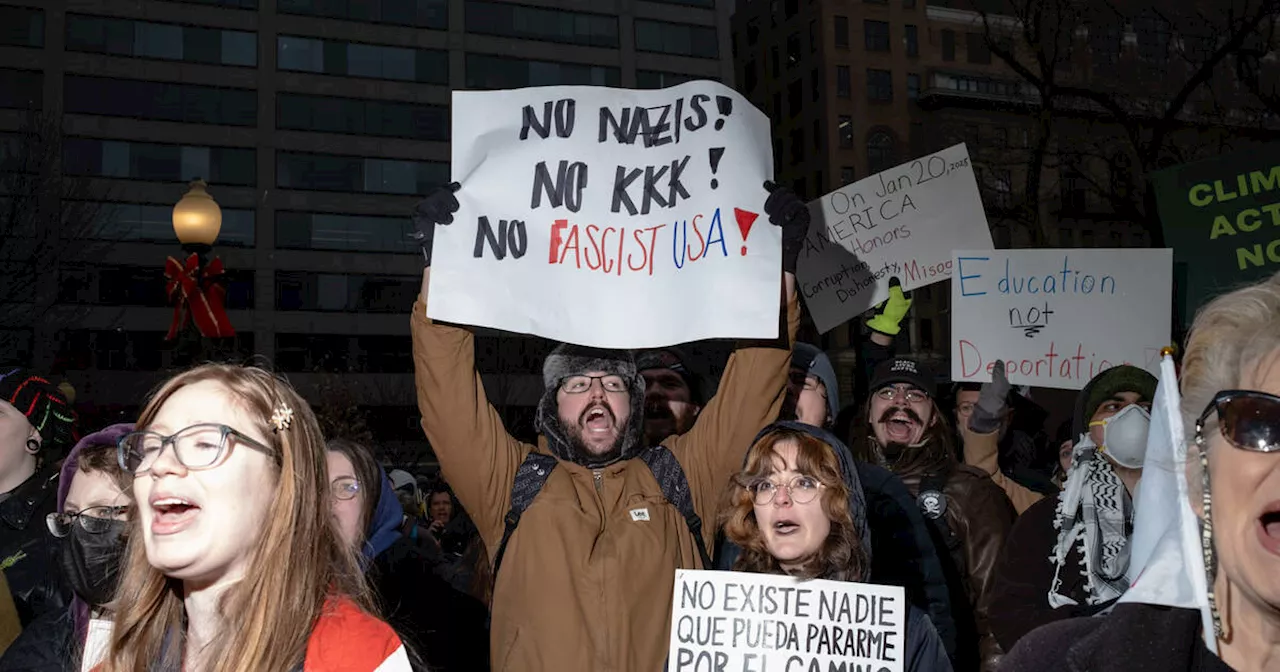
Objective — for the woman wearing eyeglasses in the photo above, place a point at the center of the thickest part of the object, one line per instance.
(797, 508)
(445, 628)
(94, 500)
(234, 561)
(1230, 382)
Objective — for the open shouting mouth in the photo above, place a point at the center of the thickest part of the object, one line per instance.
(900, 424)
(598, 418)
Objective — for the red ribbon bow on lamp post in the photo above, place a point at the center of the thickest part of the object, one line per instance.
(197, 296)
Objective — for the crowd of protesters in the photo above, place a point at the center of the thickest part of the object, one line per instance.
(222, 531)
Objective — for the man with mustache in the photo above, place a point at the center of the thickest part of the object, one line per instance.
(584, 582)
(672, 398)
(970, 514)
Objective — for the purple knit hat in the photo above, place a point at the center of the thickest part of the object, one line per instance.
(105, 437)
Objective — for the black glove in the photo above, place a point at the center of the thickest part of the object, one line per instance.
(437, 208)
(786, 210)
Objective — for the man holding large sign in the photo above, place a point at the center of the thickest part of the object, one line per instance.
(902, 222)
(1057, 318)
(583, 582)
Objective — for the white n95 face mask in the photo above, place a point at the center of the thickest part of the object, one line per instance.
(1124, 436)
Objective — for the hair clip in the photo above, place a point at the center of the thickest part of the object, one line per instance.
(282, 418)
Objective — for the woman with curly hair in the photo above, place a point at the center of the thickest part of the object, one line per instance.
(797, 508)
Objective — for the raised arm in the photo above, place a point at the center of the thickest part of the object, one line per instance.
(754, 383)
(477, 455)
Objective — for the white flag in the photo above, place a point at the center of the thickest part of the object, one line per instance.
(1166, 563)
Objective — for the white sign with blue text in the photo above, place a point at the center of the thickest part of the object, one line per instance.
(747, 622)
(902, 222)
(1057, 318)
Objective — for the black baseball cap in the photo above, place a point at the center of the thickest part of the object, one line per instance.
(904, 370)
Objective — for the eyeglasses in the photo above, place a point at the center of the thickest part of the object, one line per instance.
(802, 489)
(344, 488)
(196, 447)
(911, 394)
(94, 520)
(965, 408)
(1248, 420)
(611, 383)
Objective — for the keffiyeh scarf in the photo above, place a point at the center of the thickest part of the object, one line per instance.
(1093, 511)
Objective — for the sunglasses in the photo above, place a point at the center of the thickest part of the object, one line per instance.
(1249, 420)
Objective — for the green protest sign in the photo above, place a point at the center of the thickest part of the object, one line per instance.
(1222, 219)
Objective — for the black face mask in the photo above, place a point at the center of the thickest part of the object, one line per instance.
(91, 562)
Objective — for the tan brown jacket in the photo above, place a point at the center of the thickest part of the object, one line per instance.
(982, 451)
(586, 582)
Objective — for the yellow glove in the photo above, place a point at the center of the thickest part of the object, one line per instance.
(887, 318)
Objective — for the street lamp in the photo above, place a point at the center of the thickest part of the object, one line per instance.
(197, 220)
(195, 286)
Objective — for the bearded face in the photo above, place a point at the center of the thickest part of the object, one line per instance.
(594, 409)
(900, 415)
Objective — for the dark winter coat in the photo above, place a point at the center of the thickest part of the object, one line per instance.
(27, 550)
(46, 645)
(1020, 591)
(1132, 638)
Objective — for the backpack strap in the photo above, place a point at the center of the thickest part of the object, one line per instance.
(675, 487)
(530, 477)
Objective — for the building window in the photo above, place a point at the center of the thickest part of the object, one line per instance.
(793, 50)
(21, 89)
(978, 50)
(535, 23)
(997, 184)
(818, 183)
(144, 39)
(327, 172)
(908, 4)
(680, 39)
(331, 57)
(141, 286)
(813, 36)
(153, 223)
(1104, 46)
(653, 79)
(384, 118)
(948, 45)
(881, 153)
(753, 31)
(21, 26)
(790, 9)
(500, 72)
(879, 85)
(913, 86)
(354, 233)
(797, 146)
(119, 350)
(846, 131)
(777, 107)
(843, 82)
(911, 39)
(161, 101)
(877, 35)
(842, 31)
(817, 134)
(749, 77)
(297, 290)
(418, 13)
(848, 175)
(1074, 192)
(775, 62)
(795, 98)
(158, 162)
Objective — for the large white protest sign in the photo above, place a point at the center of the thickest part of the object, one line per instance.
(610, 217)
(902, 222)
(1057, 318)
(744, 622)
